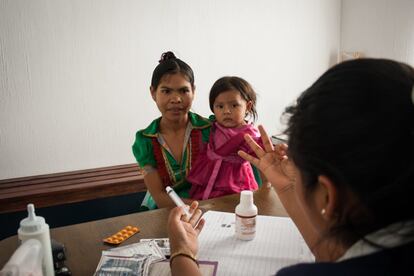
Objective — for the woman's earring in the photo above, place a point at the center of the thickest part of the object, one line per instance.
(323, 211)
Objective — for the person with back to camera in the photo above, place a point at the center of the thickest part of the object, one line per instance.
(218, 170)
(346, 177)
(166, 149)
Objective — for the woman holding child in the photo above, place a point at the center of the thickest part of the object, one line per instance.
(179, 141)
(168, 146)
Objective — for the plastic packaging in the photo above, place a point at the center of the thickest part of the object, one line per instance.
(122, 235)
(26, 260)
(246, 213)
(34, 227)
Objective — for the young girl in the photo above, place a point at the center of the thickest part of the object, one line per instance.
(219, 170)
(166, 149)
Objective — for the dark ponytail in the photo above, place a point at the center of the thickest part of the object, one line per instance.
(170, 64)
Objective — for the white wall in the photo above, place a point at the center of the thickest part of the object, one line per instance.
(379, 28)
(74, 75)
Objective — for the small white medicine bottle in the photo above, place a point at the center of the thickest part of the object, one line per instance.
(34, 227)
(246, 213)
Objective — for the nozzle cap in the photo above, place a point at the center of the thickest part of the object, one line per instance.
(32, 223)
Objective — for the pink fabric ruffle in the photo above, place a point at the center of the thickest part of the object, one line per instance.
(218, 170)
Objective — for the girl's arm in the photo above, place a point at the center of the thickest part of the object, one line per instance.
(156, 188)
(144, 153)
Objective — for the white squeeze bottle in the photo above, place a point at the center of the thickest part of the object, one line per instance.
(246, 213)
(34, 227)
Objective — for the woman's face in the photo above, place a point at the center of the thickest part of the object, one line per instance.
(173, 96)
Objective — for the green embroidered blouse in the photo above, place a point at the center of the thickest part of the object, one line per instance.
(143, 150)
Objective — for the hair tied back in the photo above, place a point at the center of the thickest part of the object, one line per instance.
(166, 56)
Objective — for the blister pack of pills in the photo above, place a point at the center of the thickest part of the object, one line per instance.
(122, 235)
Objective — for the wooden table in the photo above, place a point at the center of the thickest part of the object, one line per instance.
(84, 244)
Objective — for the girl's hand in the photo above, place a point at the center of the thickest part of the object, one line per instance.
(183, 234)
(271, 161)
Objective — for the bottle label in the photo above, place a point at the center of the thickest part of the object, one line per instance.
(245, 225)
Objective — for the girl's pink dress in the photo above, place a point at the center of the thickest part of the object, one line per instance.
(219, 170)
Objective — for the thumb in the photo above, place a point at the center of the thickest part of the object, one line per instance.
(176, 213)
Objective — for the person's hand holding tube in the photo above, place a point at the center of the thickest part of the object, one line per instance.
(183, 234)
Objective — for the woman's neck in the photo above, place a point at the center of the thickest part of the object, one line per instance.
(171, 126)
(328, 250)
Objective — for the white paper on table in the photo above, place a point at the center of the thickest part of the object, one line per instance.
(163, 244)
(277, 244)
(140, 248)
(163, 268)
(132, 259)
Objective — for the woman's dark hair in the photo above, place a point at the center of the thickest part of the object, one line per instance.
(234, 83)
(169, 64)
(355, 125)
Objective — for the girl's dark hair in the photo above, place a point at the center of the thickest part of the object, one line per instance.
(355, 125)
(234, 83)
(169, 64)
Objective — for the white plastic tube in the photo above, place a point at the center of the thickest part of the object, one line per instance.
(177, 200)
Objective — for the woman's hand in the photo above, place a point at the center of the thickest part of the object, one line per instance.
(183, 232)
(271, 161)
